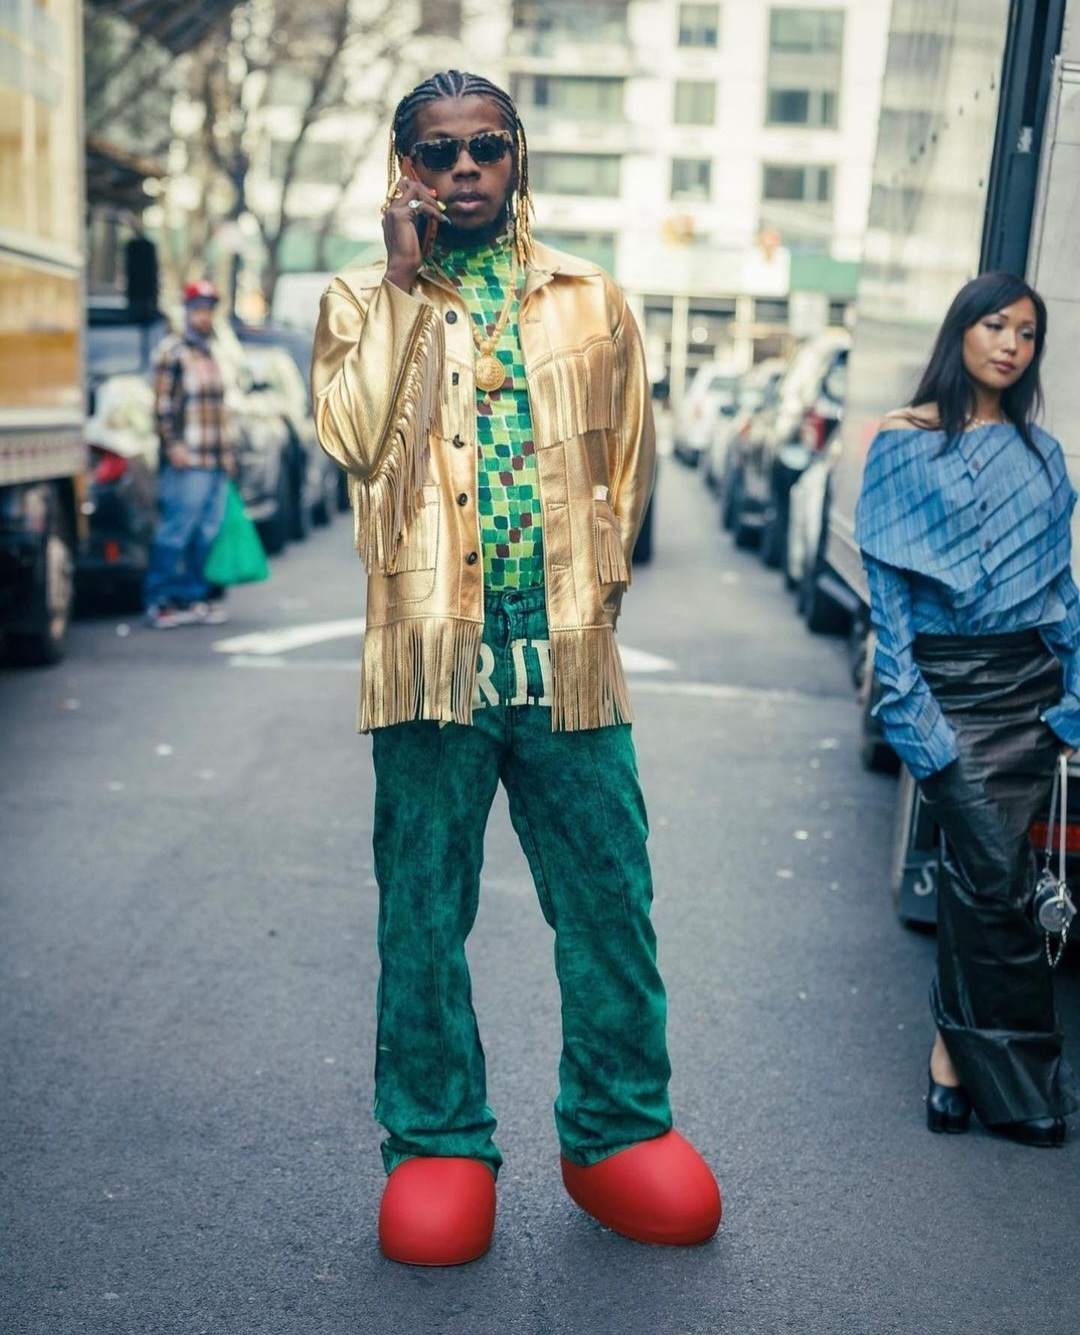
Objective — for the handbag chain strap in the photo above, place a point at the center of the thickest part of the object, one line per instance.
(1059, 796)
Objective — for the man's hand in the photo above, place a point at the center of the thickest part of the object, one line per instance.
(403, 252)
(178, 456)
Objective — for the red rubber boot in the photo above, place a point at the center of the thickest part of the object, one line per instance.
(659, 1191)
(437, 1211)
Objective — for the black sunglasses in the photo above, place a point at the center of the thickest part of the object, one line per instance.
(439, 155)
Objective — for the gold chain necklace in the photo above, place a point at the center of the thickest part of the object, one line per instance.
(488, 371)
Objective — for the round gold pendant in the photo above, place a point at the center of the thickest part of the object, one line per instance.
(490, 373)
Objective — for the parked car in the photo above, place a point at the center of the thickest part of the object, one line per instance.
(711, 394)
(121, 497)
(281, 362)
(770, 457)
(804, 569)
(753, 389)
(120, 504)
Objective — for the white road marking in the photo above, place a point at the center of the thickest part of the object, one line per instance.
(272, 643)
(701, 690)
(714, 690)
(639, 662)
(291, 637)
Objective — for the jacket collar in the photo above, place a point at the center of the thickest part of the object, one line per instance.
(546, 263)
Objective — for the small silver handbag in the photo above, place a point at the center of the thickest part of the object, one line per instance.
(1052, 905)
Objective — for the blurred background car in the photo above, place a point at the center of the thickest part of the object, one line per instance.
(753, 389)
(770, 456)
(808, 504)
(280, 360)
(711, 394)
(120, 504)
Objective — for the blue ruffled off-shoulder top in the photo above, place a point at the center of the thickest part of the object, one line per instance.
(966, 538)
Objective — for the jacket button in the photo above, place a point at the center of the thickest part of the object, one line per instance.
(451, 317)
(471, 559)
(463, 499)
(458, 442)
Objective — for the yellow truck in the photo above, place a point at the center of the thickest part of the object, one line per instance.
(42, 448)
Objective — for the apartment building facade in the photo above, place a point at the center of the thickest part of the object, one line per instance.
(714, 157)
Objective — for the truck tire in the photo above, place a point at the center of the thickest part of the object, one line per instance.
(53, 595)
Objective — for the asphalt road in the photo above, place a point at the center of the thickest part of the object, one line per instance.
(188, 972)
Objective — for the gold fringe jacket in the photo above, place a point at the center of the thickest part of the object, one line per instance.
(395, 406)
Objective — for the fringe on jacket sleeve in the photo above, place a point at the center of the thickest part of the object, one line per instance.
(376, 371)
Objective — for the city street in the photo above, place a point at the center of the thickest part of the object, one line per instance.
(188, 964)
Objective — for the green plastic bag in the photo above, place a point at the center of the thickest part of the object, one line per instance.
(236, 556)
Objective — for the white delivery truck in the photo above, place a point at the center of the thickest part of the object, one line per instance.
(977, 168)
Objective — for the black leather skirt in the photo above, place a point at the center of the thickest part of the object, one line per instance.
(992, 998)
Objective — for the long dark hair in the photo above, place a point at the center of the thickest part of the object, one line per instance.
(946, 382)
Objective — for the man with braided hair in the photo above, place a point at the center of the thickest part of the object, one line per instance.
(487, 397)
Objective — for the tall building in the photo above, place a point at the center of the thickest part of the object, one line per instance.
(715, 157)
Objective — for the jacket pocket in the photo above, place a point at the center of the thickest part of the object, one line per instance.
(607, 540)
(411, 571)
(573, 392)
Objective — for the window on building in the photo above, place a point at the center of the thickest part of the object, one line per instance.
(806, 32)
(797, 202)
(814, 107)
(575, 173)
(599, 247)
(316, 163)
(770, 310)
(691, 178)
(792, 183)
(440, 18)
(805, 67)
(699, 25)
(589, 99)
(695, 102)
(542, 22)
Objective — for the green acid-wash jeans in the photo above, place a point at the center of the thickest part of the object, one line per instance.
(576, 805)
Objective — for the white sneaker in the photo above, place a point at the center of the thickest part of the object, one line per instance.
(160, 617)
(208, 614)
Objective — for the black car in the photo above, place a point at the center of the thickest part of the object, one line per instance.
(280, 361)
(120, 503)
(769, 457)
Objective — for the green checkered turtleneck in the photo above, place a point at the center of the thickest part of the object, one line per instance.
(508, 498)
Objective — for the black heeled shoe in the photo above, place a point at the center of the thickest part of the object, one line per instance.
(948, 1108)
(1042, 1133)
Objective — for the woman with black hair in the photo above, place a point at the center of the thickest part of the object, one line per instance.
(963, 524)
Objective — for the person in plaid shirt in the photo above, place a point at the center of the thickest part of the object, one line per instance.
(198, 453)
